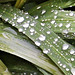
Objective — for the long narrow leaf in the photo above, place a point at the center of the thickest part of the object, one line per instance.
(3, 69)
(14, 43)
(47, 40)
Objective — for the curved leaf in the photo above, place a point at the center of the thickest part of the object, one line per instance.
(18, 44)
(47, 40)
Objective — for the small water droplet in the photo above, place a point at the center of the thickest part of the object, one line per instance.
(56, 39)
(48, 32)
(46, 51)
(42, 24)
(72, 59)
(32, 30)
(72, 51)
(67, 69)
(38, 7)
(60, 25)
(68, 25)
(71, 13)
(20, 30)
(32, 24)
(43, 11)
(55, 17)
(37, 43)
(55, 12)
(42, 38)
(52, 22)
(65, 46)
(20, 19)
(64, 66)
(36, 17)
(65, 31)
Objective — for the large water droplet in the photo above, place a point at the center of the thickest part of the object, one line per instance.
(65, 46)
(20, 19)
(42, 38)
(26, 25)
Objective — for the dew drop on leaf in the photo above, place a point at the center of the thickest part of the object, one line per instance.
(42, 38)
(38, 7)
(26, 25)
(37, 43)
(72, 51)
(20, 29)
(72, 59)
(43, 12)
(67, 69)
(65, 46)
(46, 51)
(71, 14)
(20, 19)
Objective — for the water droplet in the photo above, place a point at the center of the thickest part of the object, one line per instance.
(64, 66)
(46, 51)
(65, 46)
(60, 25)
(26, 25)
(43, 11)
(48, 32)
(71, 13)
(42, 38)
(32, 24)
(6, 19)
(68, 25)
(52, 22)
(36, 17)
(56, 39)
(72, 51)
(56, 12)
(20, 30)
(58, 62)
(65, 31)
(67, 69)
(72, 59)
(55, 17)
(38, 7)
(20, 19)
(37, 43)
(32, 30)
(42, 24)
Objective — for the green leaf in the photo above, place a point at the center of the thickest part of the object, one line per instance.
(19, 45)
(20, 67)
(51, 44)
(3, 69)
(20, 3)
(60, 21)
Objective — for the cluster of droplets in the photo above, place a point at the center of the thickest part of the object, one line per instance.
(27, 24)
(63, 66)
